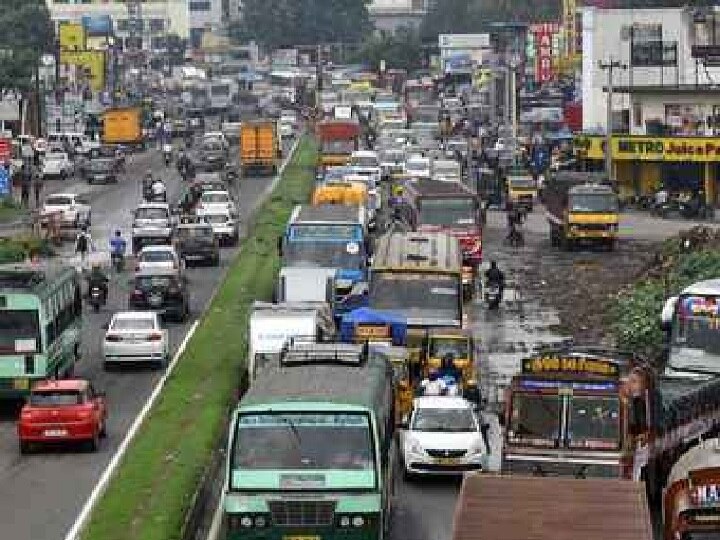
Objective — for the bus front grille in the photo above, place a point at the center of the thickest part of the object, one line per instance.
(302, 513)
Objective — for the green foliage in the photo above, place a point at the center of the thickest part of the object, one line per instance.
(399, 50)
(17, 249)
(286, 23)
(636, 314)
(27, 32)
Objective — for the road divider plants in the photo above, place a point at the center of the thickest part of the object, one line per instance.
(149, 495)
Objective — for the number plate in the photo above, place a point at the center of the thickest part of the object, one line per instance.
(446, 461)
(55, 433)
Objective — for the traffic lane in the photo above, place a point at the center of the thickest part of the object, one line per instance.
(54, 506)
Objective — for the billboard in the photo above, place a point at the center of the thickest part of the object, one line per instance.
(91, 63)
(97, 25)
(464, 41)
(72, 36)
(543, 60)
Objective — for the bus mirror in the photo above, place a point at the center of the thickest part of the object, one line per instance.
(638, 416)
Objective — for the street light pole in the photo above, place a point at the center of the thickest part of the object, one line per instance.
(609, 67)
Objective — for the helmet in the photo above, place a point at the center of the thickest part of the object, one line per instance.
(118, 233)
(433, 375)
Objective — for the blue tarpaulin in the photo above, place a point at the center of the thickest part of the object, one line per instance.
(373, 317)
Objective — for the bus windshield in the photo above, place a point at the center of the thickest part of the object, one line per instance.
(593, 202)
(338, 147)
(447, 211)
(696, 334)
(299, 442)
(521, 182)
(440, 347)
(19, 331)
(424, 296)
(594, 422)
(535, 420)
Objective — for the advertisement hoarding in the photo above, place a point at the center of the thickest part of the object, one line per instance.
(92, 63)
(464, 41)
(72, 36)
(97, 25)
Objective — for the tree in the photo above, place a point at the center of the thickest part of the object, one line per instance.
(286, 23)
(403, 49)
(27, 34)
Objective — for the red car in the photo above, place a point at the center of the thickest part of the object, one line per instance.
(67, 410)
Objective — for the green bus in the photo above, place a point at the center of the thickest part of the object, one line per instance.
(311, 453)
(40, 325)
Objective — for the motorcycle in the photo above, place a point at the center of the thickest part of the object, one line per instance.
(97, 297)
(493, 295)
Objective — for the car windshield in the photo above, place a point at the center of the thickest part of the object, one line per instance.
(593, 422)
(587, 202)
(393, 156)
(55, 398)
(323, 254)
(535, 419)
(440, 347)
(338, 147)
(151, 213)
(521, 183)
(194, 232)
(417, 296)
(447, 211)
(215, 198)
(124, 323)
(216, 218)
(299, 441)
(444, 420)
(58, 200)
(696, 334)
(364, 161)
(54, 156)
(156, 256)
(446, 169)
(416, 165)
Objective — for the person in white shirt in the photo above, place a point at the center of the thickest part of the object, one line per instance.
(433, 385)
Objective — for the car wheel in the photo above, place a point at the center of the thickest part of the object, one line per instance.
(103, 429)
(25, 447)
(94, 443)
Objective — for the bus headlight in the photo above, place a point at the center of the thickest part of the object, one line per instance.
(246, 521)
(344, 521)
(260, 521)
(358, 521)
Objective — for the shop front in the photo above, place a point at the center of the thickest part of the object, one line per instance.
(643, 165)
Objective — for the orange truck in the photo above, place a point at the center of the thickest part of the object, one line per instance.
(259, 146)
(122, 125)
(338, 140)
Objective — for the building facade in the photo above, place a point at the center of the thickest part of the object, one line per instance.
(389, 15)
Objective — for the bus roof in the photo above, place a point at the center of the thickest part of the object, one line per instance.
(418, 252)
(32, 279)
(327, 213)
(364, 385)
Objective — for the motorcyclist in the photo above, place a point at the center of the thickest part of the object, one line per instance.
(97, 278)
(158, 189)
(494, 276)
(433, 385)
(118, 245)
(167, 153)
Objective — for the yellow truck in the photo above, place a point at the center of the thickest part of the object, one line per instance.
(122, 125)
(259, 146)
(341, 192)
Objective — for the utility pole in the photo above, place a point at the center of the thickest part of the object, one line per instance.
(609, 67)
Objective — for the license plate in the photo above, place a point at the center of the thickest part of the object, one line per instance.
(55, 433)
(446, 461)
(21, 384)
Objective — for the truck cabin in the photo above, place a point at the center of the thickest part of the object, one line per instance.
(521, 190)
(592, 198)
(450, 343)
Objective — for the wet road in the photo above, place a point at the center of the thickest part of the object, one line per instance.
(41, 494)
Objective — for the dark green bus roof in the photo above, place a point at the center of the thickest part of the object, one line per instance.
(364, 386)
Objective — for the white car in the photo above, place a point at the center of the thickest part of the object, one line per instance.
(151, 225)
(73, 210)
(215, 202)
(417, 167)
(211, 136)
(135, 336)
(58, 165)
(158, 257)
(443, 437)
(224, 224)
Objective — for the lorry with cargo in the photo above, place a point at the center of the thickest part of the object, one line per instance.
(338, 140)
(122, 125)
(259, 146)
(493, 507)
(581, 208)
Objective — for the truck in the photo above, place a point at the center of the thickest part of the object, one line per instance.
(122, 125)
(259, 146)
(272, 325)
(324, 253)
(581, 209)
(338, 140)
(494, 507)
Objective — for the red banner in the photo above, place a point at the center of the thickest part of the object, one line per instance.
(543, 56)
(5, 150)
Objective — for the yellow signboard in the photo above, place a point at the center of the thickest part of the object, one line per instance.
(572, 364)
(72, 36)
(91, 62)
(637, 148)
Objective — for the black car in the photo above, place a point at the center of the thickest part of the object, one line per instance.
(100, 170)
(196, 242)
(164, 291)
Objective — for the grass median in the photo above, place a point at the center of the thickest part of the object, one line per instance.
(148, 497)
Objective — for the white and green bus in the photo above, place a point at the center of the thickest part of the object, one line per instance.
(40, 325)
(311, 449)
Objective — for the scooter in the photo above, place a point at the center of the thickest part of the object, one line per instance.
(97, 297)
(493, 295)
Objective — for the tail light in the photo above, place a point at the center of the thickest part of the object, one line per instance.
(113, 337)
(154, 337)
(84, 413)
(137, 293)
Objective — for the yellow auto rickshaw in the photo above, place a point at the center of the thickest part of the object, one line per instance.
(399, 358)
(458, 343)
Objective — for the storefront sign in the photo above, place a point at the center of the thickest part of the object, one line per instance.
(570, 364)
(372, 331)
(543, 60)
(697, 149)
